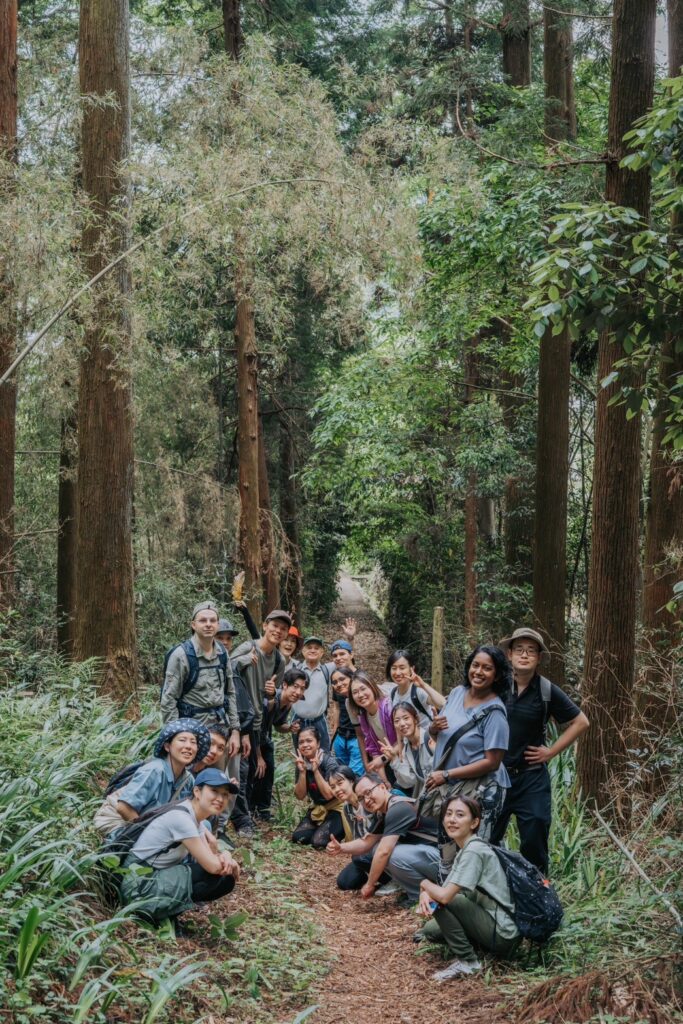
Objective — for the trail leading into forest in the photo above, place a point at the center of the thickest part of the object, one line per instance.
(377, 973)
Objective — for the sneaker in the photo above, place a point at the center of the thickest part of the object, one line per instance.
(246, 831)
(457, 969)
(388, 889)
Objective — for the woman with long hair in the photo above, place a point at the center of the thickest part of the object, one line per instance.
(412, 759)
(370, 710)
(406, 685)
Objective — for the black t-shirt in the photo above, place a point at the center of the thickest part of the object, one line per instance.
(526, 718)
(327, 766)
(345, 727)
(274, 716)
(403, 819)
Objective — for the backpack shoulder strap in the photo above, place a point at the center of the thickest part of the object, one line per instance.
(278, 661)
(394, 691)
(452, 740)
(326, 673)
(416, 700)
(546, 695)
(193, 662)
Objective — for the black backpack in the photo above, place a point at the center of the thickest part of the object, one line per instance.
(193, 662)
(121, 842)
(414, 699)
(245, 709)
(122, 777)
(538, 912)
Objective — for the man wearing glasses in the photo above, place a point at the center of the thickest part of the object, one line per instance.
(399, 843)
(534, 699)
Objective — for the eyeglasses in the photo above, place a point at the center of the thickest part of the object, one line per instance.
(525, 650)
(367, 792)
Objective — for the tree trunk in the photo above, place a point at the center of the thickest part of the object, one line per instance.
(471, 508)
(8, 323)
(270, 584)
(248, 444)
(515, 29)
(519, 504)
(613, 583)
(66, 538)
(664, 524)
(552, 434)
(232, 28)
(105, 619)
(558, 74)
(289, 517)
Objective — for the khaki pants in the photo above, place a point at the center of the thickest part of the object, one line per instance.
(463, 922)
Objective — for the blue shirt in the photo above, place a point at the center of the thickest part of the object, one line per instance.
(153, 785)
(492, 733)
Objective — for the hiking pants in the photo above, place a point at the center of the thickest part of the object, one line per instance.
(320, 724)
(207, 887)
(310, 833)
(410, 863)
(355, 874)
(528, 798)
(347, 751)
(262, 789)
(241, 815)
(463, 922)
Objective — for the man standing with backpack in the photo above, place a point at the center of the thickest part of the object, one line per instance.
(533, 700)
(198, 678)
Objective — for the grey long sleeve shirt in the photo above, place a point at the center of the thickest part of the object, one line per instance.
(208, 691)
(255, 675)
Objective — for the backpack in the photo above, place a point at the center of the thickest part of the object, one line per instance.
(122, 777)
(193, 662)
(121, 842)
(538, 912)
(414, 699)
(245, 709)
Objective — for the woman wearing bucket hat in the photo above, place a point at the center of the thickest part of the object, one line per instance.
(532, 700)
(141, 787)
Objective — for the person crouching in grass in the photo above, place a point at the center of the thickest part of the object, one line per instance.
(186, 865)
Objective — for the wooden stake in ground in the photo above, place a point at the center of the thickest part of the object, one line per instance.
(105, 623)
(437, 649)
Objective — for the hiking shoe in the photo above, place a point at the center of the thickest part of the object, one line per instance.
(457, 969)
(388, 889)
(247, 831)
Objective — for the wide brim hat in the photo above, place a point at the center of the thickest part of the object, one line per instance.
(179, 725)
(524, 633)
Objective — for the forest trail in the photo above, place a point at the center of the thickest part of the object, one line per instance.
(377, 972)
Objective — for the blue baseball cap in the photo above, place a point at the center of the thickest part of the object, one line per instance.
(214, 777)
(341, 645)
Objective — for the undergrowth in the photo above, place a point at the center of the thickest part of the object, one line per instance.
(65, 956)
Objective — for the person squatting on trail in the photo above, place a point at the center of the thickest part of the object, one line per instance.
(314, 767)
(532, 700)
(187, 865)
(165, 777)
(474, 904)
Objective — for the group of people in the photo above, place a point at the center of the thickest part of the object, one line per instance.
(414, 788)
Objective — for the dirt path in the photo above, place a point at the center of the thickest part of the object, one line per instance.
(378, 974)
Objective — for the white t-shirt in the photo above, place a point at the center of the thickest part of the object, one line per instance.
(174, 826)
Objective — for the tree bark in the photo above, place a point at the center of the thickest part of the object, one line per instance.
(289, 517)
(552, 433)
(515, 28)
(270, 583)
(519, 504)
(232, 28)
(558, 74)
(613, 582)
(105, 619)
(8, 321)
(66, 538)
(664, 523)
(471, 509)
(248, 444)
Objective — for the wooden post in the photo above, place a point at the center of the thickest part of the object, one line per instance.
(437, 650)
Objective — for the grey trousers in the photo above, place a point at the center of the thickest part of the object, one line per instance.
(409, 864)
(463, 922)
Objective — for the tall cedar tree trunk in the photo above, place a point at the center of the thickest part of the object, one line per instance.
(515, 28)
(613, 582)
(289, 517)
(271, 582)
(67, 512)
(105, 619)
(519, 500)
(247, 384)
(471, 508)
(8, 391)
(552, 434)
(664, 527)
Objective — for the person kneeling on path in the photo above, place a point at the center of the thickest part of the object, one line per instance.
(277, 704)
(142, 787)
(187, 866)
(532, 701)
(399, 841)
(198, 678)
(474, 905)
(314, 767)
